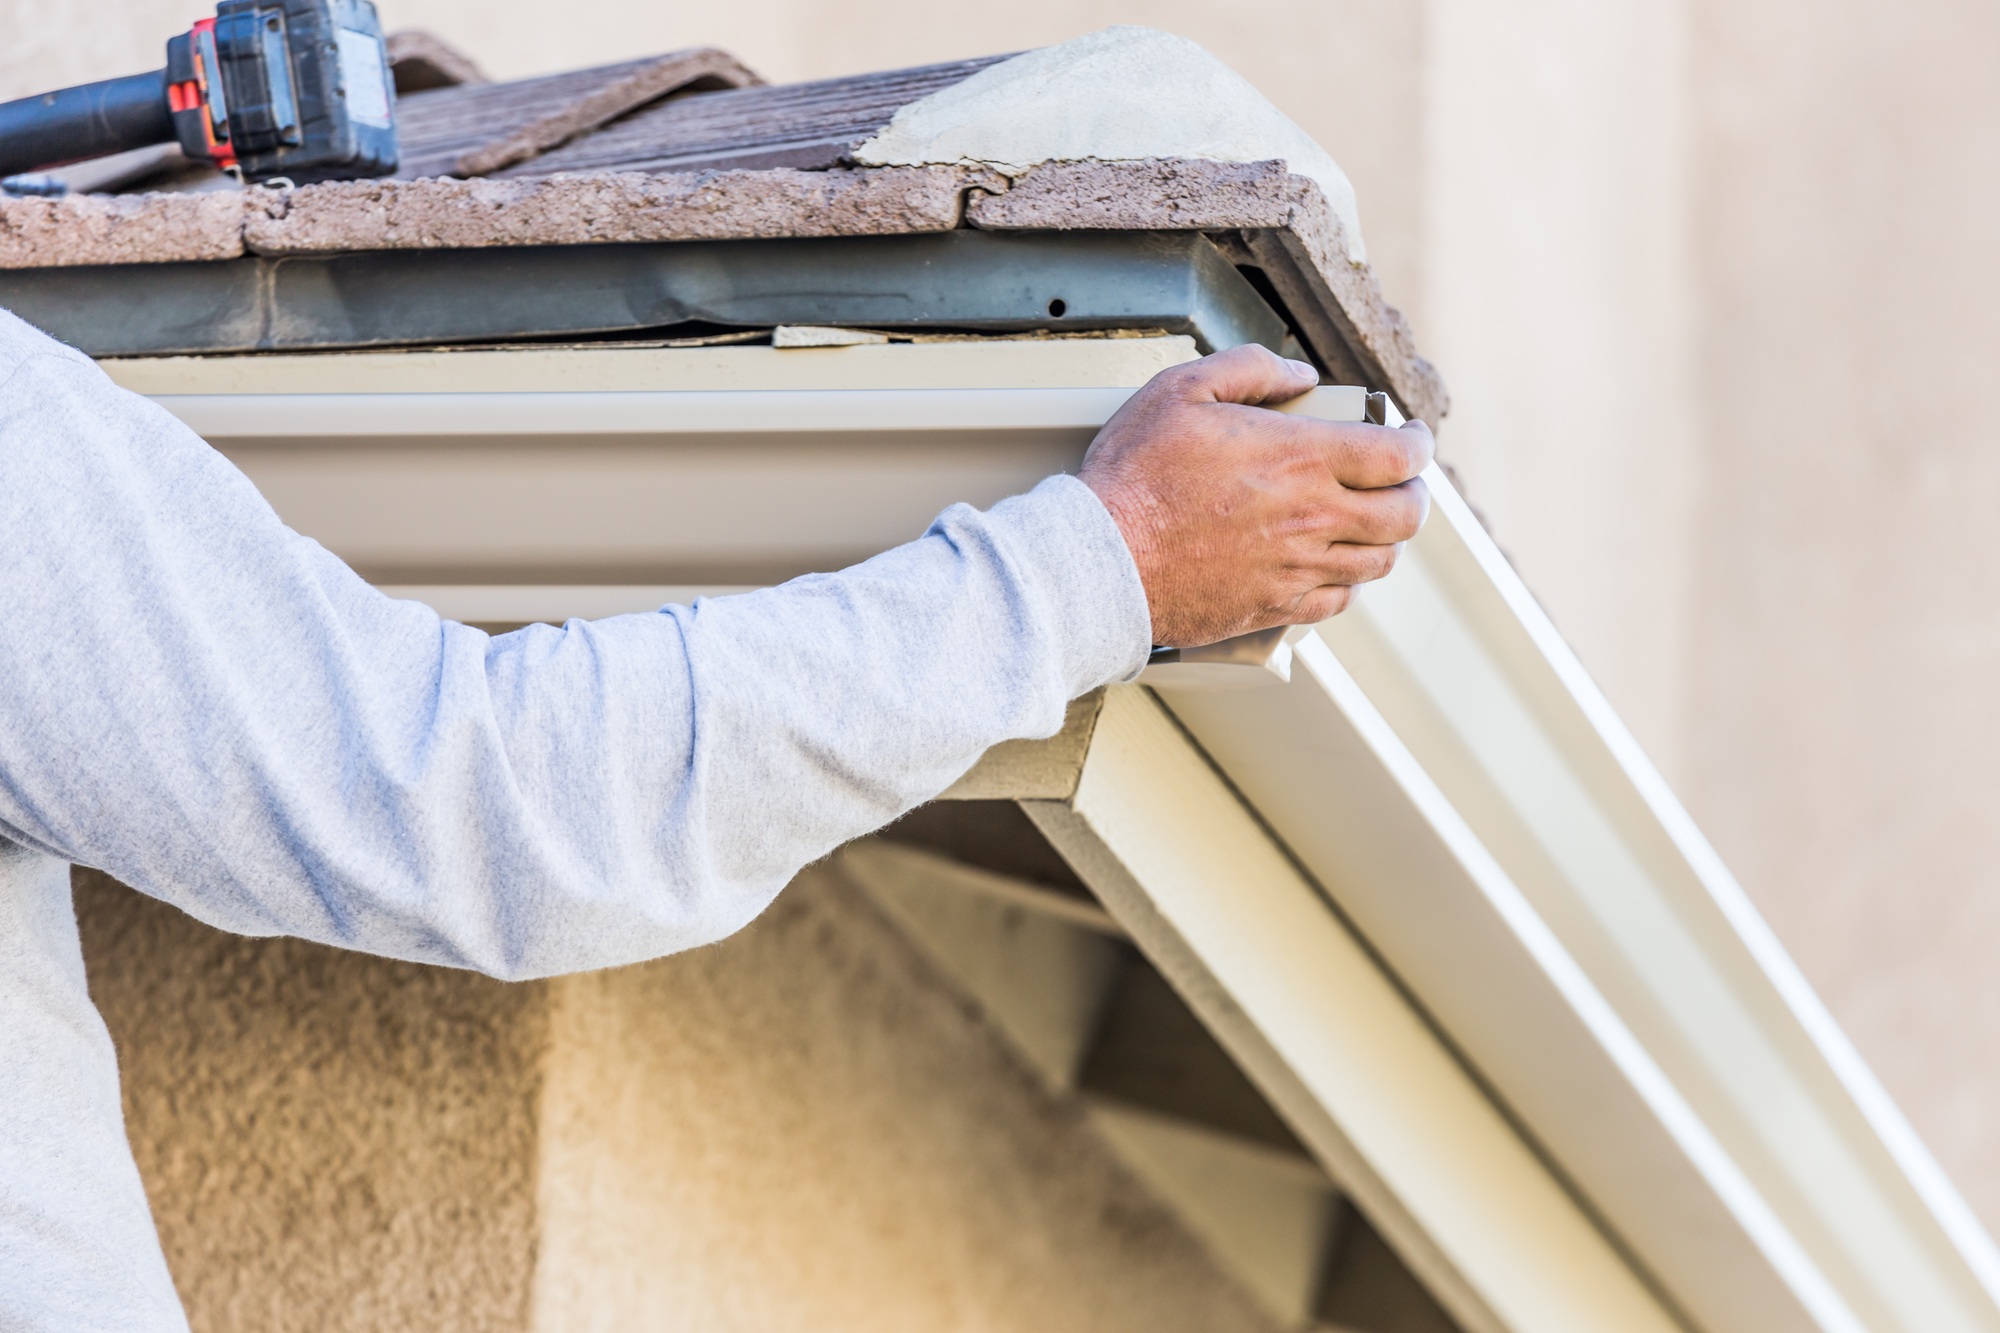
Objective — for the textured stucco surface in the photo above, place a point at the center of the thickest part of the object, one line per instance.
(330, 1142)
(804, 1129)
(799, 1128)
(1127, 93)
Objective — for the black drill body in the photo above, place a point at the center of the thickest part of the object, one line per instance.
(293, 88)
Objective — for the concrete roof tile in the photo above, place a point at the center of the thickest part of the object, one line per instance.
(122, 229)
(613, 207)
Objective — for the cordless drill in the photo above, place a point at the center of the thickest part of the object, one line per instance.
(269, 88)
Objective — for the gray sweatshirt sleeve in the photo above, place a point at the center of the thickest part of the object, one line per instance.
(218, 712)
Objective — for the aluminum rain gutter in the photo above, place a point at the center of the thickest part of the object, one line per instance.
(1439, 767)
(1445, 769)
(682, 488)
(616, 474)
(360, 416)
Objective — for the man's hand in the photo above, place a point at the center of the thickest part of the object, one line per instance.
(1241, 518)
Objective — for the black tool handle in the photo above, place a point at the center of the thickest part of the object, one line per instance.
(90, 120)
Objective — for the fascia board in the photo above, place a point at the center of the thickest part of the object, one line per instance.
(1330, 1038)
(1443, 766)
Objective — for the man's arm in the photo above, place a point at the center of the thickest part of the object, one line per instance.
(215, 710)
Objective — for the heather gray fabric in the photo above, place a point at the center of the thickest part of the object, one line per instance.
(218, 712)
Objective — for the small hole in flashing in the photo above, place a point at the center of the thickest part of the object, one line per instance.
(1058, 308)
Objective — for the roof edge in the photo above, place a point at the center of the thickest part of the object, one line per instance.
(1292, 231)
(1200, 194)
(611, 207)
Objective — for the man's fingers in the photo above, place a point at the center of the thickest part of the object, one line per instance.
(1360, 456)
(1322, 603)
(1380, 517)
(1240, 518)
(1329, 590)
(1344, 566)
(1247, 374)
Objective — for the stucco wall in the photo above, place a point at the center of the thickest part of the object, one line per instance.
(805, 1128)
(330, 1142)
(800, 1128)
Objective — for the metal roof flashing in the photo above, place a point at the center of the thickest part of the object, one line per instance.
(969, 280)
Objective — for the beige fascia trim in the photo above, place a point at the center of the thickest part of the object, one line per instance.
(1330, 1038)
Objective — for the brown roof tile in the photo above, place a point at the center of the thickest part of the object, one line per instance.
(806, 125)
(477, 129)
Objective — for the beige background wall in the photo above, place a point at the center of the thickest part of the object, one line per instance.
(1714, 285)
(1842, 676)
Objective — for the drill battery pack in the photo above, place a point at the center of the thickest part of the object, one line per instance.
(271, 88)
(291, 88)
